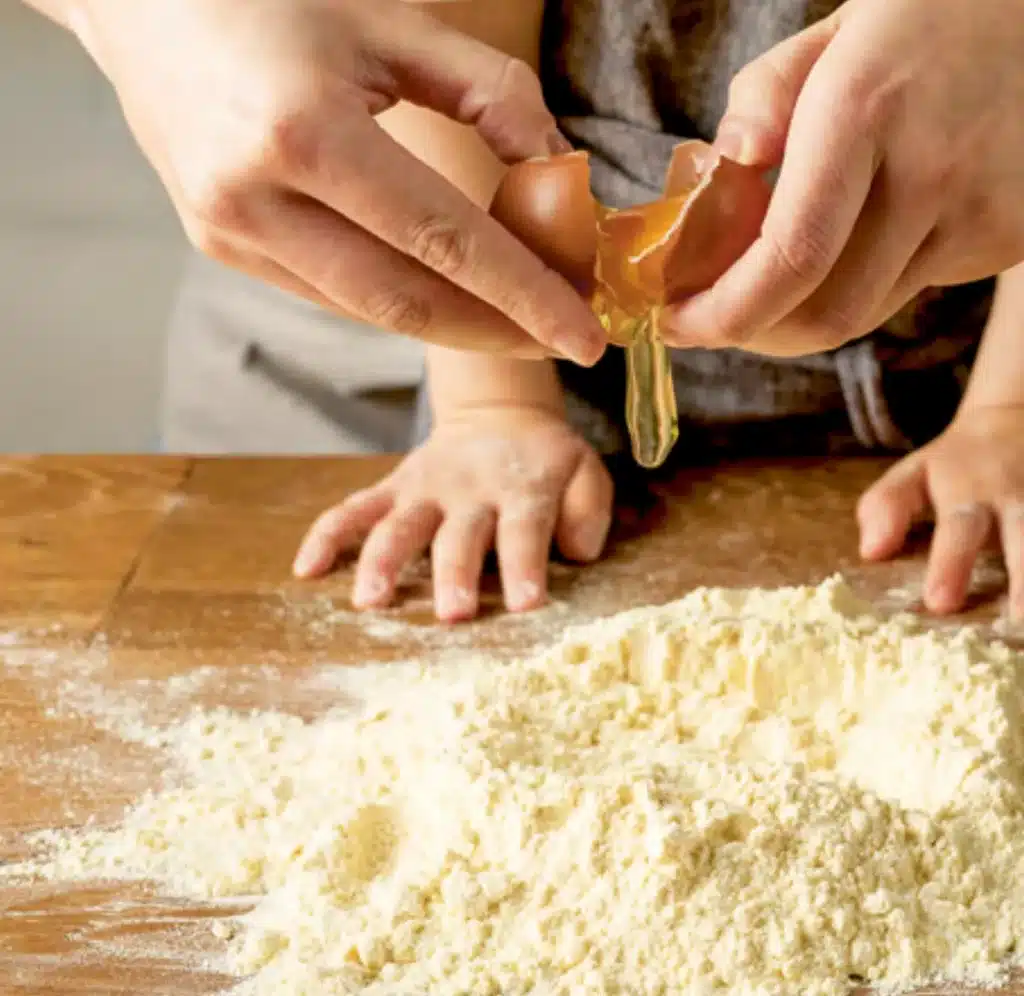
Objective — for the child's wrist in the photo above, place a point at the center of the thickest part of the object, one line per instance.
(497, 409)
(983, 394)
(983, 405)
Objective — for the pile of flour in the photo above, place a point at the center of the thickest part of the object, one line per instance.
(751, 792)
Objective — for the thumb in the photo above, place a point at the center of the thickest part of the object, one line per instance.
(763, 97)
(439, 67)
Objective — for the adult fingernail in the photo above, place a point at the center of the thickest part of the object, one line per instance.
(370, 591)
(584, 351)
(870, 538)
(591, 537)
(730, 140)
(558, 144)
(738, 140)
(939, 597)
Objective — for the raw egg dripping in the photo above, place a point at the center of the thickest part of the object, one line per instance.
(631, 263)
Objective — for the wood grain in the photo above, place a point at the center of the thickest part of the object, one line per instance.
(118, 575)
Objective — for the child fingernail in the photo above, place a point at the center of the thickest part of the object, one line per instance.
(939, 597)
(869, 538)
(524, 595)
(456, 603)
(306, 561)
(370, 591)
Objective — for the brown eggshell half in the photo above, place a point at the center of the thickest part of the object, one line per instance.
(721, 219)
(548, 206)
(665, 251)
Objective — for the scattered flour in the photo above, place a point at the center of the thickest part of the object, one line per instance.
(759, 793)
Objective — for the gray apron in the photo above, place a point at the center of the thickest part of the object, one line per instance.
(251, 369)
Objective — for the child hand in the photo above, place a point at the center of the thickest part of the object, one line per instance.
(512, 477)
(972, 476)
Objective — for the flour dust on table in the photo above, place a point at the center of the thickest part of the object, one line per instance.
(759, 793)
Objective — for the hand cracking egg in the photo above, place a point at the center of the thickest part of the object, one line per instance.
(633, 262)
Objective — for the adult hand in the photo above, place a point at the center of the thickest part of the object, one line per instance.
(899, 128)
(259, 117)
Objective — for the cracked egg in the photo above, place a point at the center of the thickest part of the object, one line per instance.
(632, 262)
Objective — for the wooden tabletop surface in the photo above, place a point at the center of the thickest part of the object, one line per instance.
(118, 574)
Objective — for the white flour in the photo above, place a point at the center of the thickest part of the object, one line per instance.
(765, 792)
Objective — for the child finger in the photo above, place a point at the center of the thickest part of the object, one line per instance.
(888, 509)
(524, 546)
(1011, 527)
(960, 533)
(339, 529)
(458, 555)
(394, 543)
(586, 513)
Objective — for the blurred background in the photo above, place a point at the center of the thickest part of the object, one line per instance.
(90, 254)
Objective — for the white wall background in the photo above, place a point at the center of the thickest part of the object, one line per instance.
(89, 254)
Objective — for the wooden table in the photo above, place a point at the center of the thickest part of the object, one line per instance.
(117, 574)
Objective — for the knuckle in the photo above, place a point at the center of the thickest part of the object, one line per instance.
(1010, 487)
(509, 109)
(726, 328)
(219, 206)
(354, 503)
(532, 511)
(873, 104)
(292, 146)
(835, 325)
(450, 555)
(884, 497)
(398, 311)
(929, 178)
(803, 249)
(440, 245)
(470, 518)
(384, 549)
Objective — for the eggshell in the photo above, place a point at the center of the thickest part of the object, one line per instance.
(632, 261)
(548, 206)
(720, 219)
